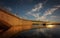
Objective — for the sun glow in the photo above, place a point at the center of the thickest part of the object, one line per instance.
(50, 26)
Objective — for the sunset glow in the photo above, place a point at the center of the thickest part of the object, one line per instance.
(50, 26)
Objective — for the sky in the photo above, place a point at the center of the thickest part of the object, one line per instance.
(42, 10)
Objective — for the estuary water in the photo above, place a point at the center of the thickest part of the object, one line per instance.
(40, 33)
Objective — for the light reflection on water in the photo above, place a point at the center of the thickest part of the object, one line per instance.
(52, 28)
(42, 32)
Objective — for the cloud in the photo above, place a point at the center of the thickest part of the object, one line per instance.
(8, 8)
(35, 12)
(48, 12)
(44, 16)
(36, 8)
(24, 17)
(56, 17)
(58, 6)
(35, 15)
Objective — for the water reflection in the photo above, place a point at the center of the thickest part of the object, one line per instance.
(41, 33)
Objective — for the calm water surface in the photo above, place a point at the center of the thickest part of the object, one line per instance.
(40, 33)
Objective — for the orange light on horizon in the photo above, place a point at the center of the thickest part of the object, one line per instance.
(50, 26)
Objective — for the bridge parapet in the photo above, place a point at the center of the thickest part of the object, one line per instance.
(17, 24)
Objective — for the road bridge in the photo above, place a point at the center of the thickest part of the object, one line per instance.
(15, 24)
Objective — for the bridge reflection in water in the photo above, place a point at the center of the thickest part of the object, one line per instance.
(15, 24)
(36, 33)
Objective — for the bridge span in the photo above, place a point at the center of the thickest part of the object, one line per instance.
(16, 24)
